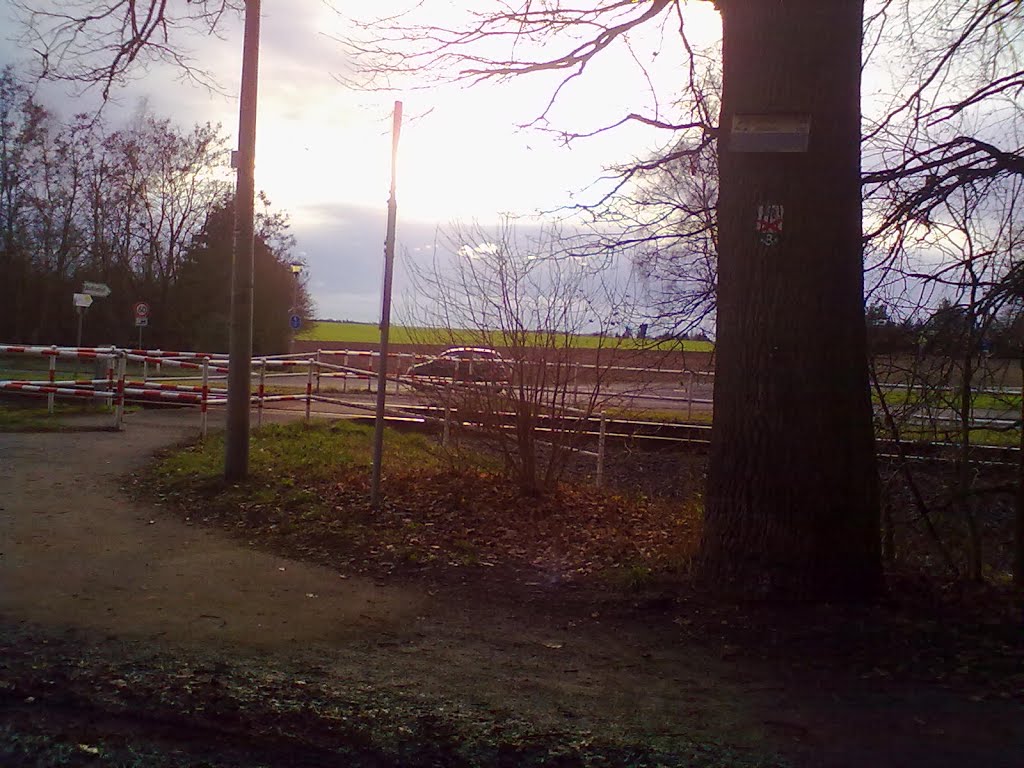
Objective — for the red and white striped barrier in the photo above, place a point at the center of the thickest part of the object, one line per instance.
(117, 389)
(173, 387)
(69, 352)
(137, 393)
(174, 363)
(23, 386)
(282, 398)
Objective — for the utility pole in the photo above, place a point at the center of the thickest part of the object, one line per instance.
(236, 454)
(385, 315)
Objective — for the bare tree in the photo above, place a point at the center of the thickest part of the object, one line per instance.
(960, 263)
(523, 296)
(792, 501)
(104, 42)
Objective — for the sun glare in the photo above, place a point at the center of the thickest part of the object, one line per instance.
(461, 154)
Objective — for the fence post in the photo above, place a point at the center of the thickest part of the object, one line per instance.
(344, 378)
(50, 398)
(309, 389)
(398, 372)
(318, 371)
(689, 398)
(445, 428)
(600, 451)
(262, 389)
(369, 375)
(204, 398)
(110, 372)
(122, 372)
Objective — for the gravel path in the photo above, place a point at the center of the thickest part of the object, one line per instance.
(76, 552)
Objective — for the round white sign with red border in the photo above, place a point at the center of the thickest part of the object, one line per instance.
(141, 309)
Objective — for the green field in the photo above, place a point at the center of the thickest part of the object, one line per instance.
(368, 333)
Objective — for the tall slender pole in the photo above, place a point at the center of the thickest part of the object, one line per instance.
(236, 453)
(1018, 534)
(385, 314)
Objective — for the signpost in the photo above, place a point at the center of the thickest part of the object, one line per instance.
(81, 302)
(141, 310)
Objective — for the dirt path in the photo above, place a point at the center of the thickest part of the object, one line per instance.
(76, 554)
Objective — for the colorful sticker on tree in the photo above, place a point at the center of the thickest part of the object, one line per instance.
(769, 223)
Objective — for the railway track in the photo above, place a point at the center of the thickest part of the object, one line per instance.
(657, 435)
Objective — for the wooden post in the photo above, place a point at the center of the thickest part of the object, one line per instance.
(385, 314)
(236, 442)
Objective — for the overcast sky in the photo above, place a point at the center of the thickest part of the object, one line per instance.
(323, 150)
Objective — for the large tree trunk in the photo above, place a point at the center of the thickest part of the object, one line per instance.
(792, 501)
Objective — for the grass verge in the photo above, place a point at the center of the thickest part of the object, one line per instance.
(308, 494)
(29, 416)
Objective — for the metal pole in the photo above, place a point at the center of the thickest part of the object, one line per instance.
(1018, 533)
(263, 389)
(309, 390)
(385, 314)
(53, 377)
(81, 314)
(205, 399)
(600, 451)
(110, 375)
(236, 443)
(122, 370)
(689, 397)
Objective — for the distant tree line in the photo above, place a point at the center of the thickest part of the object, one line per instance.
(944, 332)
(145, 208)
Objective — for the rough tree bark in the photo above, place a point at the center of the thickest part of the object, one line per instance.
(792, 499)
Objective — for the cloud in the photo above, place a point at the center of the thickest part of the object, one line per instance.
(323, 150)
(344, 244)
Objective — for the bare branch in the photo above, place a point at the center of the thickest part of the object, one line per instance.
(105, 42)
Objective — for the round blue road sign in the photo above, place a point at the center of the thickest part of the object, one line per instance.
(295, 321)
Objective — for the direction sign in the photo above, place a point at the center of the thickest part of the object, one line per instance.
(82, 300)
(100, 290)
(141, 309)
